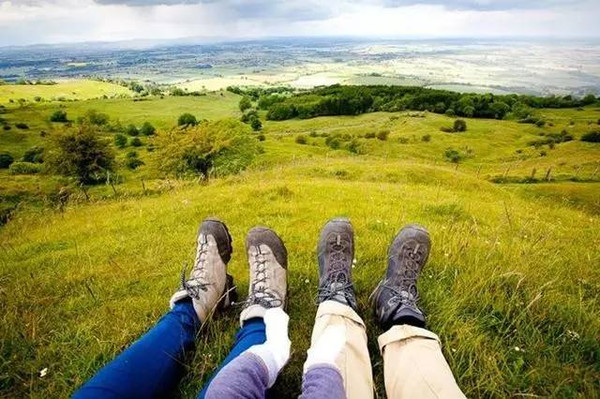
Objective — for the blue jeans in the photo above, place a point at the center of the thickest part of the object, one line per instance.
(153, 365)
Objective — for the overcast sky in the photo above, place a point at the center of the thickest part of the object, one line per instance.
(57, 21)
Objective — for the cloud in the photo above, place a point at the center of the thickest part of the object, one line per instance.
(52, 21)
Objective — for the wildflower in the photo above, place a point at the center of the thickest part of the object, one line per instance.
(43, 372)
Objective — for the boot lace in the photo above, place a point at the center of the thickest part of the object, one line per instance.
(259, 294)
(405, 288)
(337, 281)
(197, 282)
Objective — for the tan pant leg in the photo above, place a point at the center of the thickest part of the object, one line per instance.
(353, 361)
(414, 366)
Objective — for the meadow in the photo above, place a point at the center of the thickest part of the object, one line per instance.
(512, 286)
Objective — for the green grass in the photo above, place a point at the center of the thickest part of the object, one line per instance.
(65, 90)
(512, 266)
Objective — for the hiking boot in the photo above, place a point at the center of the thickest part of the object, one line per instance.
(395, 298)
(209, 285)
(267, 257)
(335, 252)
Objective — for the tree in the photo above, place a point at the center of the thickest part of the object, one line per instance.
(186, 120)
(245, 103)
(223, 147)
(80, 153)
(147, 129)
(120, 140)
(255, 124)
(59, 116)
(96, 118)
(499, 109)
(459, 126)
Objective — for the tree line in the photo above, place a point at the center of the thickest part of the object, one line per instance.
(355, 100)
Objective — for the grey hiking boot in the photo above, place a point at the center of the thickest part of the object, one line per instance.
(335, 252)
(209, 285)
(395, 298)
(267, 257)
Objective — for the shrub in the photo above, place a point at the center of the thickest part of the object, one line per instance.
(543, 153)
(261, 137)
(255, 124)
(591, 137)
(120, 140)
(59, 116)
(313, 133)
(403, 140)
(132, 154)
(355, 146)
(80, 153)
(6, 127)
(370, 135)
(34, 155)
(540, 123)
(25, 168)
(383, 135)
(186, 120)
(447, 129)
(5, 160)
(245, 103)
(96, 118)
(453, 155)
(132, 130)
(301, 139)
(249, 116)
(22, 126)
(226, 146)
(134, 163)
(150, 147)
(333, 142)
(426, 138)
(148, 129)
(459, 126)
(450, 112)
(136, 142)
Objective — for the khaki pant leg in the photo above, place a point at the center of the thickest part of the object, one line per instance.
(414, 366)
(353, 361)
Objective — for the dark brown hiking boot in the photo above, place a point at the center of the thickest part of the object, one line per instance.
(335, 252)
(395, 298)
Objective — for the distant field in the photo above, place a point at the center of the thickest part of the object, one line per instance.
(64, 89)
(512, 286)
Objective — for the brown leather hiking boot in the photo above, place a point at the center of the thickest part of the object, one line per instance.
(267, 257)
(209, 285)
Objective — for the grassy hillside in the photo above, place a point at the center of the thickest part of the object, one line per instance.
(65, 90)
(512, 286)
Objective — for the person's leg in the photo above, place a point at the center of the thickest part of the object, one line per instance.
(338, 307)
(267, 259)
(152, 366)
(353, 361)
(252, 333)
(414, 366)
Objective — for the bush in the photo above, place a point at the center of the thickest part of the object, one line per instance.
(333, 142)
(245, 103)
(96, 118)
(313, 133)
(5, 160)
(132, 130)
(255, 124)
(383, 135)
(370, 135)
(540, 123)
(6, 127)
(249, 116)
(59, 116)
(403, 140)
(34, 155)
(224, 147)
(460, 125)
(25, 168)
(426, 138)
(136, 142)
(134, 163)
(447, 129)
(120, 140)
(80, 153)
(148, 129)
(591, 137)
(453, 155)
(186, 120)
(22, 126)
(261, 137)
(301, 139)
(355, 147)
